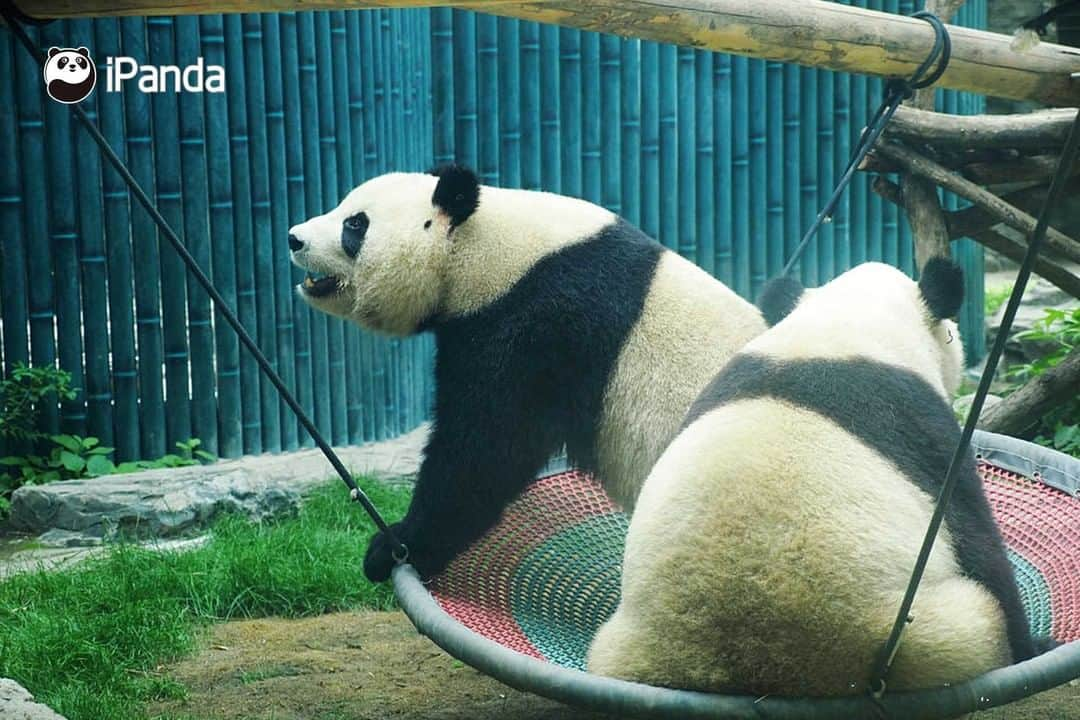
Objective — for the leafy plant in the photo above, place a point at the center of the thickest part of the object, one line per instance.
(70, 457)
(1060, 331)
(21, 396)
(190, 453)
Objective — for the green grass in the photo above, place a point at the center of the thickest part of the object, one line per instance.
(995, 297)
(87, 641)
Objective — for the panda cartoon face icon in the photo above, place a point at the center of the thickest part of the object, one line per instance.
(70, 74)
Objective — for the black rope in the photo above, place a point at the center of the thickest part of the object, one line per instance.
(401, 551)
(1066, 161)
(896, 91)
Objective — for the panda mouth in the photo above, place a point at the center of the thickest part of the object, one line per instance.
(318, 285)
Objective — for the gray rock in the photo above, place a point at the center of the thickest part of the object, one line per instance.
(17, 704)
(184, 501)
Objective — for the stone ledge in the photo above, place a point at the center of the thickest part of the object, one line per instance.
(18, 704)
(177, 502)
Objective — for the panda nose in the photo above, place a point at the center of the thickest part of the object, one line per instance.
(294, 243)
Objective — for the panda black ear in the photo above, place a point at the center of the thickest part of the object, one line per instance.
(53, 51)
(778, 298)
(457, 193)
(83, 51)
(942, 286)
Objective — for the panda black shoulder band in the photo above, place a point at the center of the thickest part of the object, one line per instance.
(12, 17)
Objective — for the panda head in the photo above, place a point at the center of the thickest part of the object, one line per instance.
(875, 310)
(379, 257)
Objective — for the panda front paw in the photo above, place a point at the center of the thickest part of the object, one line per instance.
(380, 560)
(426, 559)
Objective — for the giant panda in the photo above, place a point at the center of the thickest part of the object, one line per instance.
(775, 536)
(556, 324)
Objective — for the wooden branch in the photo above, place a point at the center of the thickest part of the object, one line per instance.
(916, 163)
(888, 190)
(809, 32)
(1023, 409)
(1044, 267)
(1030, 131)
(1032, 168)
(962, 223)
(920, 199)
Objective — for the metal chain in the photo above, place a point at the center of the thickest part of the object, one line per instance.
(896, 91)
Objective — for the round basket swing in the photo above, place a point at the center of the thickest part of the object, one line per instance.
(523, 602)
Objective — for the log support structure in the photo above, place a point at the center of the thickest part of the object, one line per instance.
(815, 33)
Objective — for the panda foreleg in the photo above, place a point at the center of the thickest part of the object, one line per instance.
(484, 449)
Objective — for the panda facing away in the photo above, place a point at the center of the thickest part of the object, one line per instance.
(775, 536)
(556, 323)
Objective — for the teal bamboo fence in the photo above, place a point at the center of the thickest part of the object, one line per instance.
(724, 159)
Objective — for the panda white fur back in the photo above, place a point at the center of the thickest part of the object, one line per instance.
(775, 536)
(556, 323)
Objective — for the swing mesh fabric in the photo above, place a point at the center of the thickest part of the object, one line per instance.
(543, 581)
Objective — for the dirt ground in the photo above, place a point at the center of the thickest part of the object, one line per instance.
(356, 666)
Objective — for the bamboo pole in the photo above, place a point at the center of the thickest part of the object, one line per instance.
(722, 112)
(296, 185)
(630, 69)
(62, 244)
(279, 216)
(685, 148)
(813, 32)
(195, 190)
(92, 261)
(146, 255)
(530, 107)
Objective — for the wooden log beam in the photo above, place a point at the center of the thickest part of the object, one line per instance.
(973, 219)
(1028, 131)
(1045, 268)
(1021, 410)
(809, 32)
(914, 162)
(1031, 168)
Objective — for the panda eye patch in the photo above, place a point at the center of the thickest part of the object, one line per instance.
(352, 233)
(427, 224)
(62, 62)
(357, 223)
(81, 62)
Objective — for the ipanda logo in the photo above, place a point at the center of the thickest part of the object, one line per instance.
(164, 78)
(70, 75)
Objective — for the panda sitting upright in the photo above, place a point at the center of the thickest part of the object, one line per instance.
(556, 323)
(776, 535)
